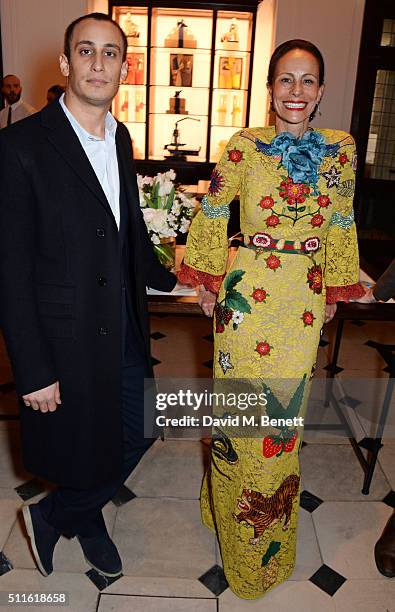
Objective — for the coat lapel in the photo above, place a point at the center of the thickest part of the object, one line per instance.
(62, 136)
(127, 175)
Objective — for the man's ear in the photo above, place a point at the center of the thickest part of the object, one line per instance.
(124, 70)
(64, 65)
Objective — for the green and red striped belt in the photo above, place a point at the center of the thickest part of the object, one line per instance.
(261, 241)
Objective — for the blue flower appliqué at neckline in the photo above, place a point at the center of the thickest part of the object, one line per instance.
(300, 157)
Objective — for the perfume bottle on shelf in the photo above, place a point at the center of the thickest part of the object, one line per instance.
(139, 106)
(222, 109)
(124, 106)
(236, 112)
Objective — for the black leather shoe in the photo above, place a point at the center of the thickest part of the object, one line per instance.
(101, 553)
(43, 538)
(384, 551)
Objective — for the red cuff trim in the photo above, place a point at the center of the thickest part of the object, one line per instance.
(190, 276)
(344, 294)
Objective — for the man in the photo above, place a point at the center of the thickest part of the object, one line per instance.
(384, 551)
(75, 259)
(15, 109)
(54, 93)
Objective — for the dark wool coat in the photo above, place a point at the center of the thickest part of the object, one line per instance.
(58, 240)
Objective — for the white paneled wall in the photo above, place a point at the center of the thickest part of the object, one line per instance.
(335, 27)
(32, 36)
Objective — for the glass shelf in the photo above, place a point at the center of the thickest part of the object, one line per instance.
(214, 90)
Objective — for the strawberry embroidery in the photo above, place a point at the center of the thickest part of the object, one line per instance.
(308, 318)
(272, 221)
(235, 156)
(263, 348)
(314, 279)
(271, 446)
(259, 295)
(343, 159)
(266, 202)
(273, 262)
(317, 220)
(323, 201)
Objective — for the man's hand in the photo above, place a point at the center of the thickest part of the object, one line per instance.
(45, 400)
(330, 311)
(207, 301)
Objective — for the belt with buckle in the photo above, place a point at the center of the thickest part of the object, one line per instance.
(261, 241)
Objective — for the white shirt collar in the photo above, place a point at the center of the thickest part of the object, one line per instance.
(15, 105)
(110, 125)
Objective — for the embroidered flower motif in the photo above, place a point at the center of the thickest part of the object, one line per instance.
(312, 244)
(354, 162)
(301, 157)
(332, 177)
(308, 318)
(273, 262)
(263, 348)
(224, 361)
(216, 183)
(317, 220)
(259, 295)
(266, 202)
(314, 279)
(343, 159)
(260, 239)
(235, 155)
(222, 317)
(294, 193)
(237, 317)
(323, 201)
(272, 221)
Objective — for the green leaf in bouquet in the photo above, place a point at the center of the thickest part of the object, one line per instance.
(170, 199)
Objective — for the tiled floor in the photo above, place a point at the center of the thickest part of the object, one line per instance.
(164, 547)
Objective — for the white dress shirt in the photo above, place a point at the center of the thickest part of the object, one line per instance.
(19, 110)
(102, 155)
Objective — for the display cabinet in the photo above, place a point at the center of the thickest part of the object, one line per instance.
(188, 84)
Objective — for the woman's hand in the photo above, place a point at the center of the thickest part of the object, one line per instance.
(330, 311)
(206, 301)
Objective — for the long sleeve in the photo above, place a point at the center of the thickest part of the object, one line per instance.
(341, 251)
(207, 245)
(29, 352)
(385, 286)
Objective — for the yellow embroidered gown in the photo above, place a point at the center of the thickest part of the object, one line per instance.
(302, 249)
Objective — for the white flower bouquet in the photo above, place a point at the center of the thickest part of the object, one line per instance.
(167, 210)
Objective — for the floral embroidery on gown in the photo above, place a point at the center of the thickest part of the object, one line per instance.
(301, 250)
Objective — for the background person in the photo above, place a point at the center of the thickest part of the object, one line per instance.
(15, 108)
(54, 93)
(301, 250)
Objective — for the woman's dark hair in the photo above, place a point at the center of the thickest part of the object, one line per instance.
(290, 45)
(99, 17)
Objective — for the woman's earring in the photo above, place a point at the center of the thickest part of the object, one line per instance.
(318, 110)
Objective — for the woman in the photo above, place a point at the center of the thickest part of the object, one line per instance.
(296, 189)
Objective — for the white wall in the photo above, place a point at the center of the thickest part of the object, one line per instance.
(335, 27)
(32, 38)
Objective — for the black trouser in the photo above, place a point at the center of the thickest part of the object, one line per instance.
(79, 512)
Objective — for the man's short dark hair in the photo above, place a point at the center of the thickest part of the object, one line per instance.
(98, 17)
(57, 90)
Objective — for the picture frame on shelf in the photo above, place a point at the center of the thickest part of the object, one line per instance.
(181, 69)
(135, 74)
(230, 72)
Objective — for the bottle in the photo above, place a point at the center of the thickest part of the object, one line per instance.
(139, 107)
(222, 109)
(124, 108)
(236, 112)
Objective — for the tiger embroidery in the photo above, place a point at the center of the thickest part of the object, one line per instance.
(260, 511)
